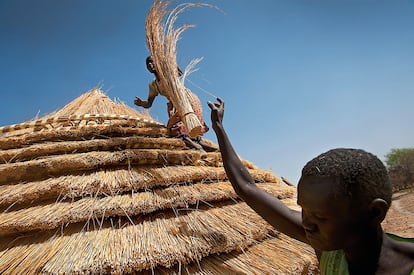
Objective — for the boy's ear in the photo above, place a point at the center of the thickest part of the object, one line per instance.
(378, 210)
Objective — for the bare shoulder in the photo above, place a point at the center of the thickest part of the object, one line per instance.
(400, 245)
(397, 256)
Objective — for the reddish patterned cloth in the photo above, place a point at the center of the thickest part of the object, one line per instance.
(175, 124)
(179, 127)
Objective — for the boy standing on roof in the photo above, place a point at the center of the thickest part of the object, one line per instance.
(344, 194)
(175, 126)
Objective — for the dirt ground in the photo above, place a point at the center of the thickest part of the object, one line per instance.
(400, 217)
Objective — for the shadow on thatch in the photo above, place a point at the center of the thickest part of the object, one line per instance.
(93, 188)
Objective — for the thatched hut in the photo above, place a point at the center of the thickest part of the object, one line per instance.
(98, 188)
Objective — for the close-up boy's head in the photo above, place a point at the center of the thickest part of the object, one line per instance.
(362, 176)
(150, 64)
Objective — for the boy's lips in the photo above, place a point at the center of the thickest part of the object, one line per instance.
(314, 241)
(311, 236)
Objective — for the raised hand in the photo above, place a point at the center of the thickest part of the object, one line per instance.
(139, 102)
(217, 112)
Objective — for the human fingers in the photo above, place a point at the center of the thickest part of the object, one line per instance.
(220, 103)
(211, 105)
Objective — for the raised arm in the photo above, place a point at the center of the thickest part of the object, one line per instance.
(145, 103)
(152, 93)
(266, 205)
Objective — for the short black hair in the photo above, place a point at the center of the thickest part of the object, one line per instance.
(362, 174)
(148, 62)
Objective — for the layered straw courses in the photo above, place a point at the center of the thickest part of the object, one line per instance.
(159, 242)
(267, 257)
(80, 133)
(162, 40)
(57, 214)
(123, 197)
(49, 149)
(113, 182)
(58, 165)
(71, 121)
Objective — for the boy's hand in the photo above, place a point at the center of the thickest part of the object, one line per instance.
(217, 112)
(138, 101)
(174, 118)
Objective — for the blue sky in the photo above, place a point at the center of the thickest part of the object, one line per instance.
(298, 77)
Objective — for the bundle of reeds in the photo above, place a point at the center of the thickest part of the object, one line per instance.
(162, 40)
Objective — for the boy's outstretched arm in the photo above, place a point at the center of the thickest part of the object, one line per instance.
(266, 205)
(144, 103)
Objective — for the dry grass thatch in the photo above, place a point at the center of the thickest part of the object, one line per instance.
(92, 101)
(162, 37)
(54, 215)
(145, 244)
(123, 197)
(96, 102)
(81, 133)
(114, 181)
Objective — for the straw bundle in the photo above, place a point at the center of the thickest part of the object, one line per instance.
(162, 42)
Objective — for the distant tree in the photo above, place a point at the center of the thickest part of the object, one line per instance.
(400, 164)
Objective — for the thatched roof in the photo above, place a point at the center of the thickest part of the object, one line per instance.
(114, 194)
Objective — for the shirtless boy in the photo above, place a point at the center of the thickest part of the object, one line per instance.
(344, 195)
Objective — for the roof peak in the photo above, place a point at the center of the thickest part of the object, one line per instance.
(95, 101)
